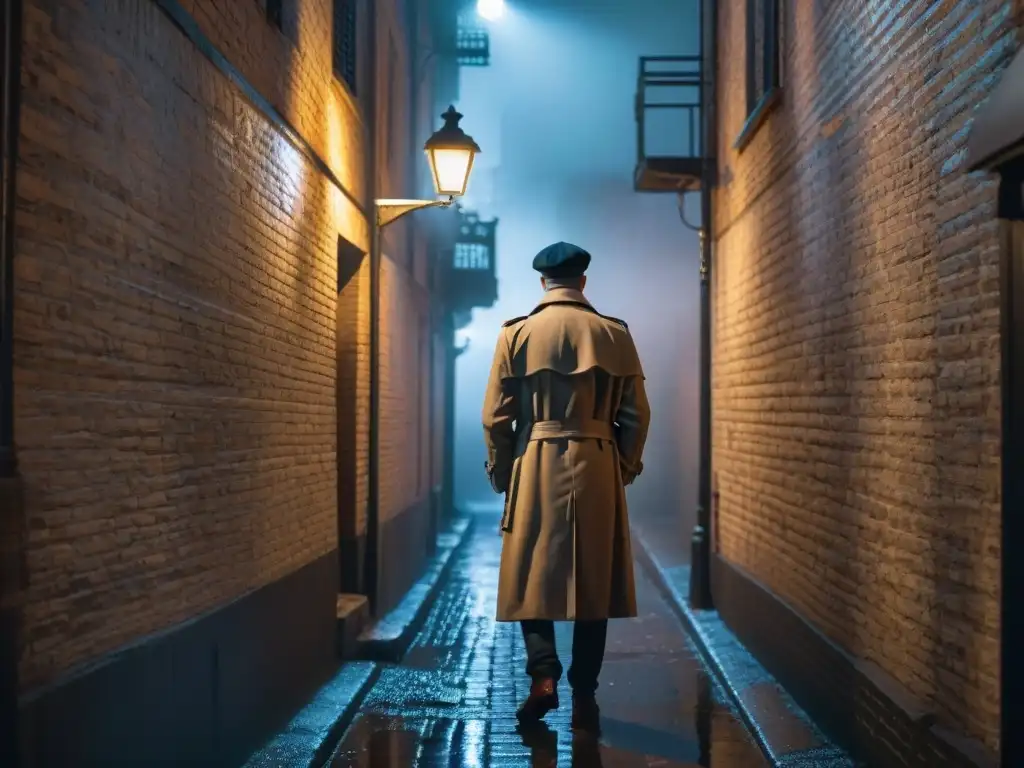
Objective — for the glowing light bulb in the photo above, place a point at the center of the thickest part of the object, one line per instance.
(490, 9)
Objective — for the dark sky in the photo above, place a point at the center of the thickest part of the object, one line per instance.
(554, 117)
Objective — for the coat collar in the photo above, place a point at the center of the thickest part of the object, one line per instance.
(562, 296)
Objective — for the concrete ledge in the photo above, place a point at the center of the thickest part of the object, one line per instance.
(869, 712)
(353, 617)
(389, 638)
(206, 692)
(784, 732)
(308, 740)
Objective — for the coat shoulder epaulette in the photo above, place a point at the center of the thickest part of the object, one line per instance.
(513, 321)
(616, 320)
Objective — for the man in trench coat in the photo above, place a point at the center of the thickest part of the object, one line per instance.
(565, 419)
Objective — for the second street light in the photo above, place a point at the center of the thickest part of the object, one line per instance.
(450, 153)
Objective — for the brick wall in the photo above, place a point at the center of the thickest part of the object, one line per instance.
(402, 443)
(177, 315)
(855, 378)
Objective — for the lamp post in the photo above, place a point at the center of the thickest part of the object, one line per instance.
(450, 153)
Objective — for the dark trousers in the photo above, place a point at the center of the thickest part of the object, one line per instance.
(588, 642)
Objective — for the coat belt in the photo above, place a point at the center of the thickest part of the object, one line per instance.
(578, 429)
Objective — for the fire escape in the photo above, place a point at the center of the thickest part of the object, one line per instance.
(472, 43)
(674, 142)
(668, 125)
(470, 280)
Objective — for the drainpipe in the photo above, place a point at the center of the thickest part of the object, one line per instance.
(12, 98)
(437, 385)
(372, 562)
(451, 353)
(432, 490)
(700, 579)
(11, 513)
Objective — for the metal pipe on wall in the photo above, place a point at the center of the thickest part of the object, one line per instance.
(372, 561)
(700, 580)
(10, 507)
(11, 108)
(451, 353)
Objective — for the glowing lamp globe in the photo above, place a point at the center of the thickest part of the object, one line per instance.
(451, 153)
(491, 10)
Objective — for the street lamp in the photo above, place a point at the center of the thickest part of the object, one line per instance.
(491, 10)
(450, 153)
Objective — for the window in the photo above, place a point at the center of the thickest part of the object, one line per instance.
(472, 256)
(763, 64)
(343, 53)
(275, 12)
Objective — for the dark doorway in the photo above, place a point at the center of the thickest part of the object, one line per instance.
(1012, 625)
(351, 529)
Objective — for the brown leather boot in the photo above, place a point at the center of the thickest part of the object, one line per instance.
(586, 715)
(542, 699)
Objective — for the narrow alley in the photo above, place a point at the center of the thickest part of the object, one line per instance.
(272, 347)
(452, 701)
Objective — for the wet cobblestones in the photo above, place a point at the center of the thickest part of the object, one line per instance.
(452, 700)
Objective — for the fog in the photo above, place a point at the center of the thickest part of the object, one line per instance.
(554, 117)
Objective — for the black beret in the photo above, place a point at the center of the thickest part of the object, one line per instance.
(562, 260)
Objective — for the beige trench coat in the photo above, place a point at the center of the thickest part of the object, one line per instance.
(565, 419)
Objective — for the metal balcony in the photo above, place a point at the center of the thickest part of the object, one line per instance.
(472, 42)
(474, 48)
(472, 279)
(668, 124)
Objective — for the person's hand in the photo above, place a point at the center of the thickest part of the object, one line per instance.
(489, 469)
(629, 476)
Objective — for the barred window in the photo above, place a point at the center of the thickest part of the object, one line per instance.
(344, 42)
(472, 256)
(762, 51)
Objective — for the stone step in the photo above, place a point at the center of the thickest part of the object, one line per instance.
(353, 618)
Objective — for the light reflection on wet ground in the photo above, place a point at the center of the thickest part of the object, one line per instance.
(452, 701)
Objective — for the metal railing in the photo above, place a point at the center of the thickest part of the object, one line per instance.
(670, 83)
(472, 41)
(474, 247)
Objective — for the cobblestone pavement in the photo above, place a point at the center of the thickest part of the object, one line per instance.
(452, 701)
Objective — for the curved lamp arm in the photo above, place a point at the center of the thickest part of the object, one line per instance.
(389, 210)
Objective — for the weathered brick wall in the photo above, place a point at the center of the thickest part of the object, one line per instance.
(291, 67)
(177, 316)
(402, 444)
(856, 368)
